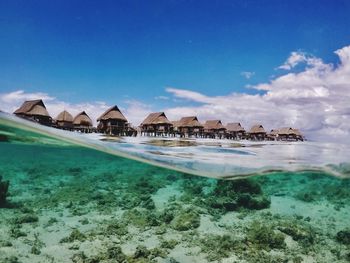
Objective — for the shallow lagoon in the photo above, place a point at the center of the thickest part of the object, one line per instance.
(72, 204)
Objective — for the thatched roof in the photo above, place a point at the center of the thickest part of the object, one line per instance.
(112, 113)
(156, 118)
(64, 116)
(33, 107)
(274, 132)
(289, 131)
(257, 129)
(82, 119)
(213, 125)
(234, 127)
(297, 132)
(191, 121)
(175, 123)
(286, 131)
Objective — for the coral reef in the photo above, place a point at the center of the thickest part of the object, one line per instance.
(264, 237)
(75, 235)
(186, 220)
(116, 228)
(217, 247)
(343, 236)
(238, 194)
(4, 186)
(26, 218)
(102, 209)
(300, 232)
(116, 254)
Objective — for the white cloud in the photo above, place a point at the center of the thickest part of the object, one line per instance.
(161, 98)
(247, 74)
(10, 101)
(298, 57)
(135, 111)
(316, 100)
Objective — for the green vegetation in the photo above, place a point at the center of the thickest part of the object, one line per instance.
(4, 186)
(116, 254)
(141, 218)
(37, 245)
(115, 227)
(343, 236)
(12, 259)
(169, 244)
(217, 247)
(186, 220)
(117, 200)
(300, 232)
(26, 218)
(75, 235)
(234, 195)
(265, 237)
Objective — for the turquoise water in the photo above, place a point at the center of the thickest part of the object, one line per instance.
(68, 203)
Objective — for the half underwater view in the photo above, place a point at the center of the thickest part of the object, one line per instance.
(65, 202)
(175, 131)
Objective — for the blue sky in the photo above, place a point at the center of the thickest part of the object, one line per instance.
(279, 63)
(112, 50)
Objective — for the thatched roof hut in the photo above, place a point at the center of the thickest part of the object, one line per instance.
(214, 129)
(34, 110)
(175, 125)
(64, 116)
(234, 127)
(188, 126)
(64, 120)
(297, 132)
(258, 128)
(213, 125)
(156, 124)
(288, 133)
(257, 132)
(113, 113)
(234, 130)
(274, 132)
(82, 119)
(189, 122)
(112, 121)
(156, 118)
(33, 107)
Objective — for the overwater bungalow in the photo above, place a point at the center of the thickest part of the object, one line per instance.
(272, 135)
(299, 135)
(289, 134)
(175, 128)
(257, 133)
(235, 131)
(214, 129)
(64, 121)
(112, 121)
(130, 130)
(156, 124)
(34, 110)
(189, 126)
(82, 122)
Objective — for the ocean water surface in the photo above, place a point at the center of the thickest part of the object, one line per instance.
(67, 197)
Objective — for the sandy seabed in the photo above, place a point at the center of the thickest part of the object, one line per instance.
(69, 204)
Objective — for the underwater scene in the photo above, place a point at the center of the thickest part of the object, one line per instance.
(62, 202)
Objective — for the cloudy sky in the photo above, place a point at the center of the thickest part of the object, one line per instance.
(277, 63)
